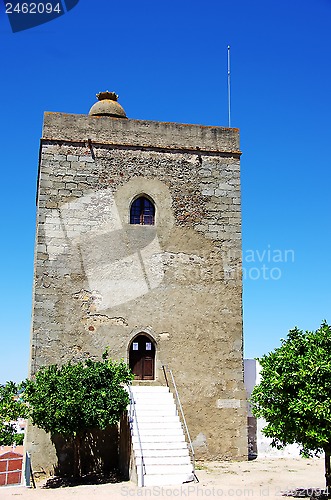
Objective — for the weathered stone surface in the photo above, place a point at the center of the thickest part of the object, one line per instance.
(105, 130)
(99, 281)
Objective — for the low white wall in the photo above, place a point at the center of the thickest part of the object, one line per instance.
(262, 445)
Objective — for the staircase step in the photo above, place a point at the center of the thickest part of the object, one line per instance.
(160, 461)
(171, 452)
(162, 446)
(149, 388)
(167, 480)
(149, 438)
(153, 402)
(166, 410)
(160, 426)
(161, 419)
(159, 396)
(156, 431)
(147, 409)
(168, 469)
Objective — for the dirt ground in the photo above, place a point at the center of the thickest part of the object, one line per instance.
(261, 478)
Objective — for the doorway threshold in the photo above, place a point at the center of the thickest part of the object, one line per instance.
(147, 382)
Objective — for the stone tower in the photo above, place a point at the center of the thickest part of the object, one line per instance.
(138, 248)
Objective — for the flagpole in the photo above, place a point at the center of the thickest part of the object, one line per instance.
(229, 89)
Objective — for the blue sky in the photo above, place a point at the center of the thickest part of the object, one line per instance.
(167, 59)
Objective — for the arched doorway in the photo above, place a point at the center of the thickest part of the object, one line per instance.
(142, 357)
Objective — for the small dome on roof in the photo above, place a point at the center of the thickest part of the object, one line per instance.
(107, 105)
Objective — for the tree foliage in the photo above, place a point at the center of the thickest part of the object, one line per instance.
(294, 395)
(73, 399)
(11, 408)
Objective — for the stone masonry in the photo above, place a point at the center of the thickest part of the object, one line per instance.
(100, 281)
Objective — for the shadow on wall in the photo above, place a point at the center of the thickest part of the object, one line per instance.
(98, 453)
(252, 437)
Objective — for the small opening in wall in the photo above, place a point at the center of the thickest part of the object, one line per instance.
(142, 211)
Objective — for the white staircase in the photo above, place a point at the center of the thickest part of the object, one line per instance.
(160, 451)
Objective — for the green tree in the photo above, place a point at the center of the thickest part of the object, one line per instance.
(72, 399)
(294, 395)
(11, 408)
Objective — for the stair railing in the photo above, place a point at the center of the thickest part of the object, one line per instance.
(181, 411)
(132, 420)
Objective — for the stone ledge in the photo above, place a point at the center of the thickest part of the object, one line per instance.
(140, 133)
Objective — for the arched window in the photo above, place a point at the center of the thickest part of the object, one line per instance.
(142, 211)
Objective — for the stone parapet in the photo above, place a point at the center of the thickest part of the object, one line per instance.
(139, 133)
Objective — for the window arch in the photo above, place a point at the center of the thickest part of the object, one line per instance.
(142, 211)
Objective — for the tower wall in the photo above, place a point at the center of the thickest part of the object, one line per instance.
(99, 280)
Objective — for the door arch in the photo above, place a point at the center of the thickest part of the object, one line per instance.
(142, 357)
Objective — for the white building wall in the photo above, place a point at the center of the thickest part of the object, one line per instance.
(262, 445)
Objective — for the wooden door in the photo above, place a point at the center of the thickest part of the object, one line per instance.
(142, 358)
